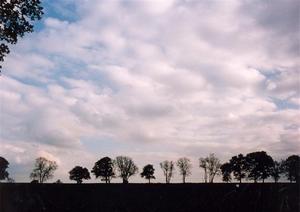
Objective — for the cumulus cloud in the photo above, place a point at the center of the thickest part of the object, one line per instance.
(154, 81)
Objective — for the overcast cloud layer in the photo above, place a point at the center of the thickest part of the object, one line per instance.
(153, 80)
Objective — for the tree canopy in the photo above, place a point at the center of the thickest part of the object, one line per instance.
(238, 167)
(291, 168)
(226, 170)
(148, 172)
(126, 167)
(254, 166)
(3, 166)
(203, 164)
(276, 171)
(43, 169)
(104, 168)
(79, 173)
(16, 19)
(258, 165)
(184, 165)
(211, 165)
(168, 169)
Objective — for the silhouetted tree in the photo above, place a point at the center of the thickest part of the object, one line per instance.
(104, 168)
(148, 172)
(168, 169)
(126, 167)
(291, 168)
(79, 173)
(3, 166)
(276, 170)
(184, 165)
(203, 164)
(258, 165)
(226, 172)
(211, 166)
(43, 169)
(58, 181)
(238, 166)
(10, 180)
(16, 17)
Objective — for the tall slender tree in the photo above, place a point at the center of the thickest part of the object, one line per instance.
(203, 163)
(184, 165)
(168, 169)
(211, 165)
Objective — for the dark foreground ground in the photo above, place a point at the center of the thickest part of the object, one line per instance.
(150, 198)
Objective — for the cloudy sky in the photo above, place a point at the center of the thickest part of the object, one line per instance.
(153, 80)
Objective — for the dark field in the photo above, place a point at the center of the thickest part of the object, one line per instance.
(266, 197)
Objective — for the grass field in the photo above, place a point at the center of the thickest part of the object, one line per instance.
(219, 197)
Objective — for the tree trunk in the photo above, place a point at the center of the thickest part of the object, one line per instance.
(41, 178)
(183, 178)
(211, 180)
(149, 180)
(213, 177)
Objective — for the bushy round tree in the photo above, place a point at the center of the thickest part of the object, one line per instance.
(104, 168)
(79, 173)
(259, 165)
(148, 172)
(291, 168)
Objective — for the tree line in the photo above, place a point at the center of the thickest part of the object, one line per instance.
(256, 166)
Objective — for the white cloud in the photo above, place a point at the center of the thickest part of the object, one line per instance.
(182, 78)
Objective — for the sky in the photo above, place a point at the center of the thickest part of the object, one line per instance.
(153, 80)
